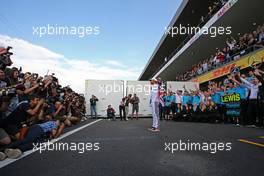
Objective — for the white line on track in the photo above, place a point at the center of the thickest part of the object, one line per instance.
(9, 161)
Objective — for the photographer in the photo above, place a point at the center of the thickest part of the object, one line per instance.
(25, 113)
(111, 113)
(13, 76)
(3, 81)
(30, 102)
(31, 87)
(77, 113)
(128, 99)
(60, 114)
(93, 101)
(4, 137)
(5, 57)
(35, 135)
(46, 86)
(15, 96)
(135, 106)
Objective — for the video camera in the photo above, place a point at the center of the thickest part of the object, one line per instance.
(5, 58)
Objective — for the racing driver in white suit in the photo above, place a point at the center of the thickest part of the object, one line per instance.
(154, 104)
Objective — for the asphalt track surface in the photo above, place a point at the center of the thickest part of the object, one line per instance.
(128, 148)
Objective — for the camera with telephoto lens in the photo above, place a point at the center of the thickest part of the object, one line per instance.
(5, 58)
(60, 89)
(40, 82)
(35, 76)
(8, 91)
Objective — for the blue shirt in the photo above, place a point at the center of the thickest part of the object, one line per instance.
(185, 99)
(216, 98)
(196, 100)
(167, 100)
(172, 98)
(190, 99)
(48, 126)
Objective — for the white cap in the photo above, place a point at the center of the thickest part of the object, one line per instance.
(154, 79)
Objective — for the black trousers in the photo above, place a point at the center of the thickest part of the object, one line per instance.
(122, 112)
(261, 113)
(243, 112)
(173, 107)
(111, 115)
(252, 111)
(161, 112)
(221, 108)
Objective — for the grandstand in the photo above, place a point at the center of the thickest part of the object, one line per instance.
(182, 51)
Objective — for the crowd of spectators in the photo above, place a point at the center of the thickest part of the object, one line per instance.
(212, 9)
(234, 50)
(238, 99)
(33, 108)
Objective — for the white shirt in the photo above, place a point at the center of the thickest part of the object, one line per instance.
(178, 98)
(254, 89)
(202, 97)
(231, 44)
(216, 60)
(205, 66)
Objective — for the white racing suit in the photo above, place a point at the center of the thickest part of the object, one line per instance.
(154, 104)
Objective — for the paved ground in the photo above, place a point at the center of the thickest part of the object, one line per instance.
(128, 148)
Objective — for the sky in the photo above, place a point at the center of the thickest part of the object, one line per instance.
(121, 37)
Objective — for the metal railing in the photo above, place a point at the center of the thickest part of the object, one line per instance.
(248, 50)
